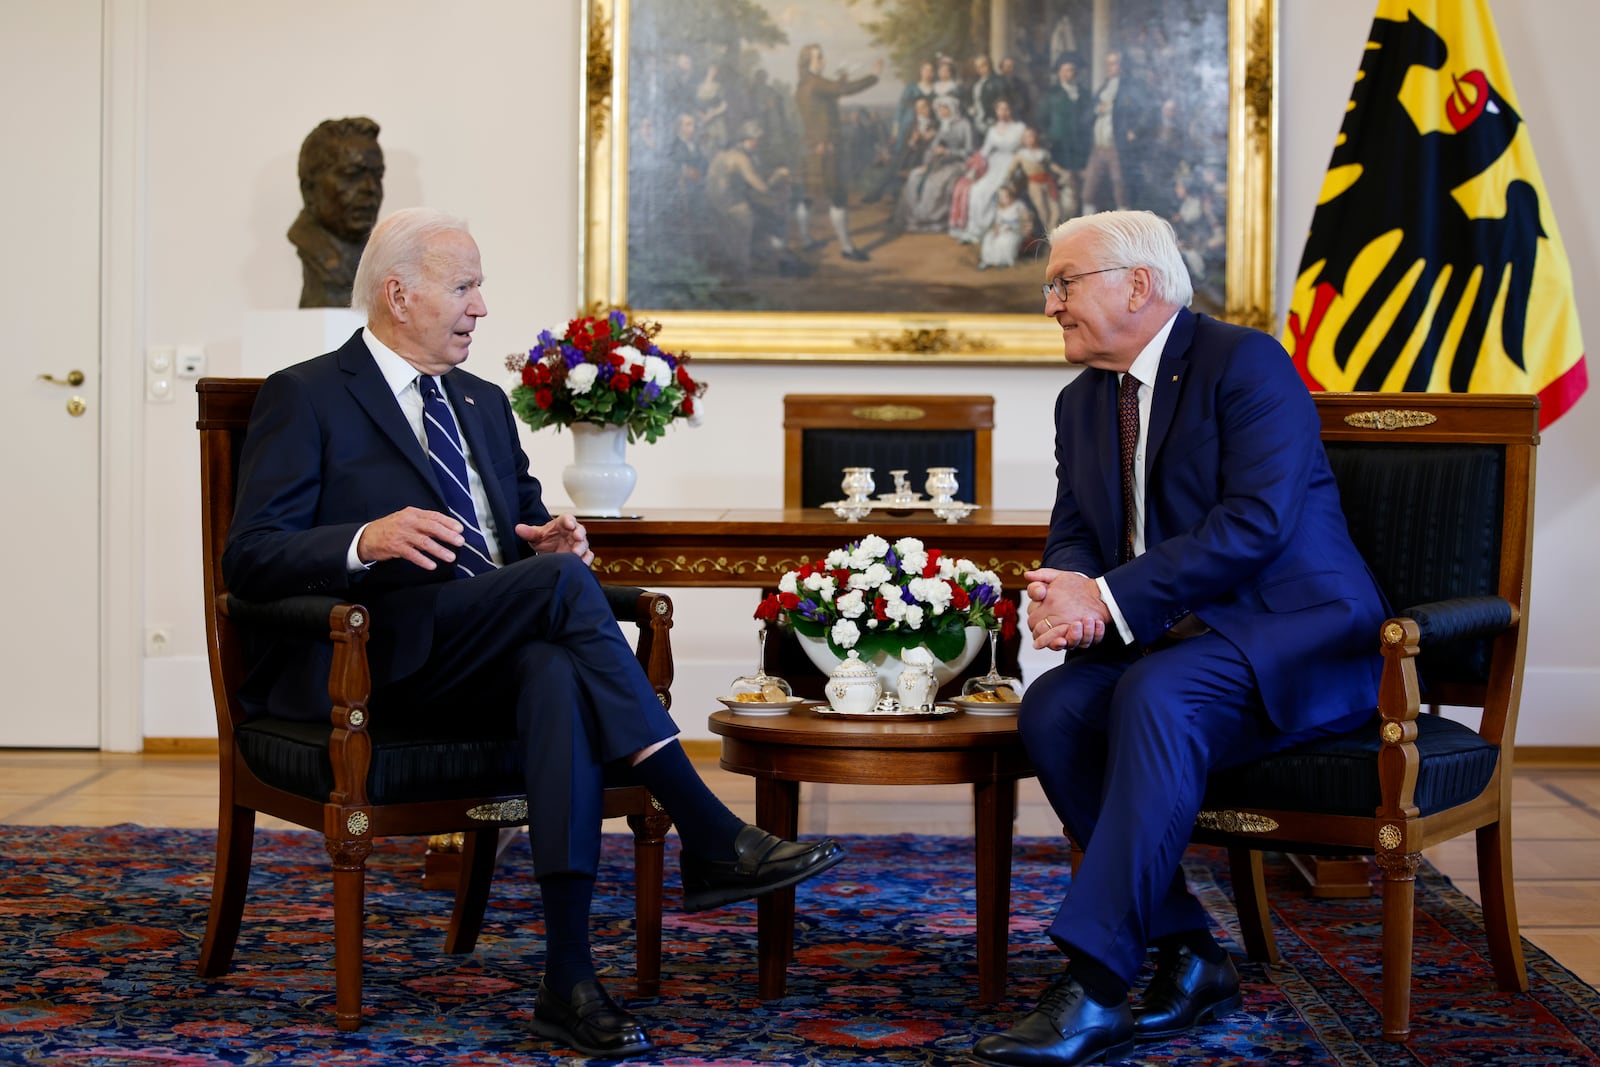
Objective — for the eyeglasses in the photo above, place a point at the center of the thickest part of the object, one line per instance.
(1058, 287)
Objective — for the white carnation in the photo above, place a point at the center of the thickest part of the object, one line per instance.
(913, 619)
(581, 377)
(846, 633)
(871, 549)
(789, 583)
(836, 559)
(852, 604)
(630, 356)
(931, 591)
(657, 370)
(821, 584)
(875, 575)
(894, 608)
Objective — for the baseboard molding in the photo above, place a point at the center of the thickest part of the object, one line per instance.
(180, 746)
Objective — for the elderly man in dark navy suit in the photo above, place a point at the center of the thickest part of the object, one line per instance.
(1201, 578)
(384, 470)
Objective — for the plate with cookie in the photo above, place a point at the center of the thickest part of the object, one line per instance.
(774, 702)
(1002, 700)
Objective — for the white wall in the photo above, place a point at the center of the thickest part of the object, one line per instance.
(479, 110)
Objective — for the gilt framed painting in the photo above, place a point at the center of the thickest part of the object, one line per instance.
(875, 180)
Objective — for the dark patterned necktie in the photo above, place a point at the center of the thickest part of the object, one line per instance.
(1128, 444)
(450, 469)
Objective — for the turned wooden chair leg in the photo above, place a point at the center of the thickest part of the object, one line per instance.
(479, 851)
(1250, 901)
(349, 922)
(649, 868)
(1500, 907)
(1399, 903)
(236, 832)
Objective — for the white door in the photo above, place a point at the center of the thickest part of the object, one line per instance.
(50, 305)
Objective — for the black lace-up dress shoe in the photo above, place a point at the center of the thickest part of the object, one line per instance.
(762, 863)
(1067, 1028)
(1184, 991)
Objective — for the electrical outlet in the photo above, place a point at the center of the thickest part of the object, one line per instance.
(191, 361)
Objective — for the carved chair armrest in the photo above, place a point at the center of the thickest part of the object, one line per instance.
(652, 612)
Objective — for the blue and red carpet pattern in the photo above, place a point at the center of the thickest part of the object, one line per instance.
(100, 930)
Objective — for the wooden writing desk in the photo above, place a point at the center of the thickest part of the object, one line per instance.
(754, 547)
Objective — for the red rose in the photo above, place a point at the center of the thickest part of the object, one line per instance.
(878, 611)
(543, 397)
(684, 379)
(636, 372)
(530, 374)
(790, 601)
(615, 360)
(1005, 613)
(621, 383)
(931, 568)
(958, 596)
(687, 407)
(768, 609)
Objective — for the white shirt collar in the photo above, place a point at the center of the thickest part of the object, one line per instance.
(1144, 365)
(395, 370)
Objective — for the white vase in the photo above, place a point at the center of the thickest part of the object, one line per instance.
(598, 479)
(889, 667)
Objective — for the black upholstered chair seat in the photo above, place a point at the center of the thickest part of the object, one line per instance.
(1339, 775)
(410, 762)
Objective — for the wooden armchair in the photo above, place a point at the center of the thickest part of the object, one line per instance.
(1438, 492)
(352, 777)
(824, 433)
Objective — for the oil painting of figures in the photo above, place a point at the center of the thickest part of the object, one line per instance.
(908, 156)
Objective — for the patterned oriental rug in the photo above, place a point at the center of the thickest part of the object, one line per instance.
(101, 928)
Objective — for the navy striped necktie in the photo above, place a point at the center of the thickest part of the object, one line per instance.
(449, 461)
(1127, 446)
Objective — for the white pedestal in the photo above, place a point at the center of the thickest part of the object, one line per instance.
(277, 339)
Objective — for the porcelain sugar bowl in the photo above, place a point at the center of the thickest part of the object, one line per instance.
(916, 683)
(853, 687)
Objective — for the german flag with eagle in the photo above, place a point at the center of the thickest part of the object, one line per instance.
(1434, 263)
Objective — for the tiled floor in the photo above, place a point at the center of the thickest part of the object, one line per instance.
(1556, 819)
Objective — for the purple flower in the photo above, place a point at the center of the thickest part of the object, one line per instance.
(572, 356)
(618, 320)
(905, 595)
(650, 390)
(984, 595)
(546, 339)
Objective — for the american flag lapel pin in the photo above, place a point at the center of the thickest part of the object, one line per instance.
(471, 401)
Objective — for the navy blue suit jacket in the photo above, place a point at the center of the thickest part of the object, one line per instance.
(329, 449)
(1242, 519)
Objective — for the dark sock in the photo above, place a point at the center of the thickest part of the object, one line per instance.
(705, 825)
(566, 931)
(1200, 942)
(1098, 980)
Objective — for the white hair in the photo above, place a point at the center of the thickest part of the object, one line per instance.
(1138, 239)
(398, 248)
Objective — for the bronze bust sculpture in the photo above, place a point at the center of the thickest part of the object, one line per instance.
(341, 184)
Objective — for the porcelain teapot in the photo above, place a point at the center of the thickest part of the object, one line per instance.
(916, 683)
(853, 688)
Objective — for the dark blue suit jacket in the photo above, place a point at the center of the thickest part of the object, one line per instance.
(329, 449)
(1242, 519)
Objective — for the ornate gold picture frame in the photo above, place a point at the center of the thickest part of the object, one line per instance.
(759, 269)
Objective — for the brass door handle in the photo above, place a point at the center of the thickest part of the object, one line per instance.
(73, 379)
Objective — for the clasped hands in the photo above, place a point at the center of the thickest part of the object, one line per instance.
(428, 538)
(1064, 610)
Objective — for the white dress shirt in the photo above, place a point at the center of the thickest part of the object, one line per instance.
(1143, 370)
(402, 379)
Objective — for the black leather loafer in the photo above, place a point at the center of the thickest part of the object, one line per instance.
(762, 863)
(590, 1022)
(1185, 990)
(1067, 1028)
